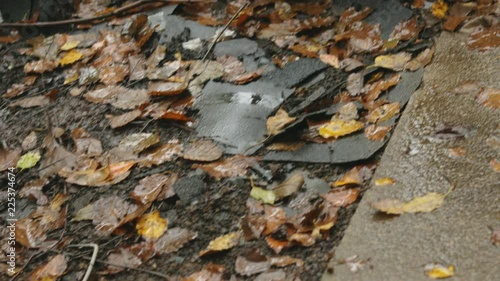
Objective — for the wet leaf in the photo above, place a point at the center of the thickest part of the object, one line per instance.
(204, 150)
(355, 176)
(31, 231)
(426, 203)
(439, 9)
(337, 128)
(342, 197)
(124, 119)
(222, 243)
(275, 124)
(71, 57)
(285, 189)
(31, 102)
(438, 271)
(150, 187)
(40, 66)
(173, 239)
(383, 113)
(485, 39)
(131, 256)
(395, 62)
(109, 213)
(376, 133)
(151, 226)
(51, 271)
(285, 146)
(164, 153)
(405, 30)
(9, 158)
(251, 264)
(15, 90)
(235, 166)
(489, 97)
(34, 190)
(138, 142)
(384, 181)
(28, 160)
(118, 96)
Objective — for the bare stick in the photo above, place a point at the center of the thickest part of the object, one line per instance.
(92, 259)
(155, 273)
(212, 46)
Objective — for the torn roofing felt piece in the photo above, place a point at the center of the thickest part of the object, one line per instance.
(354, 147)
(174, 26)
(235, 115)
(386, 12)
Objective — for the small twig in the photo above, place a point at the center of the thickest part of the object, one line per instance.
(92, 259)
(85, 20)
(212, 46)
(155, 273)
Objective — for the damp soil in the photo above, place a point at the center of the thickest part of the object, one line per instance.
(217, 212)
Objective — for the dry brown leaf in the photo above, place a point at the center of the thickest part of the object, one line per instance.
(131, 256)
(15, 90)
(422, 59)
(485, 39)
(138, 142)
(124, 119)
(137, 67)
(405, 30)
(34, 190)
(30, 141)
(31, 102)
(235, 166)
(331, 60)
(286, 146)
(342, 197)
(31, 231)
(495, 165)
(55, 268)
(39, 66)
(9, 158)
(166, 88)
(211, 272)
(275, 124)
(118, 96)
(150, 187)
(489, 97)
(204, 150)
(222, 243)
(373, 90)
(164, 153)
(276, 245)
(173, 239)
(251, 264)
(114, 74)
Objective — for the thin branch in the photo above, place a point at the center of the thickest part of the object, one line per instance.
(212, 46)
(155, 273)
(92, 259)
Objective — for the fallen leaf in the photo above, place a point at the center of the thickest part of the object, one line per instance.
(173, 239)
(276, 245)
(150, 187)
(124, 119)
(151, 226)
(342, 197)
(489, 97)
(204, 150)
(71, 57)
(286, 146)
(331, 60)
(439, 9)
(495, 165)
(30, 141)
(211, 272)
(437, 271)
(337, 128)
(222, 243)
(114, 74)
(235, 166)
(9, 158)
(51, 271)
(28, 160)
(395, 62)
(31, 102)
(354, 176)
(69, 45)
(425, 204)
(495, 236)
(34, 190)
(383, 113)
(355, 83)
(285, 189)
(164, 153)
(131, 256)
(138, 142)
(15, 90)
(40, 66)
(275, 124)
(31, 231)
(376, 133)
(405, 30)
(384, 181)
(457, 152)
(166, 88)
(118, 96)
(422, 59)
(485, 39)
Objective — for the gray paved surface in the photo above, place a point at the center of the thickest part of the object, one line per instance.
(457, 233)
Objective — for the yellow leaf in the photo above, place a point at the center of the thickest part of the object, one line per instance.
(285, 189)
(384, 181)
(395, 62)
(439, 9)
(276, 123)
(332, 60)
(351, 177)
(424, 204)
(151, 226)
(437, 271)
(337, 128)
(69, 45)
(266, 196)
(222, 243)
(72, 78)
(28, 160)
(383, 113)
(71, 57)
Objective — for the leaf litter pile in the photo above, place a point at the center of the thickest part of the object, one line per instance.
(100, 124)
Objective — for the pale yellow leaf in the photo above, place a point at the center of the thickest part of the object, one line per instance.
(71, 57)
(151, 226)
(437, 271)
(69, 45)
(222, 243)
(384, 181)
